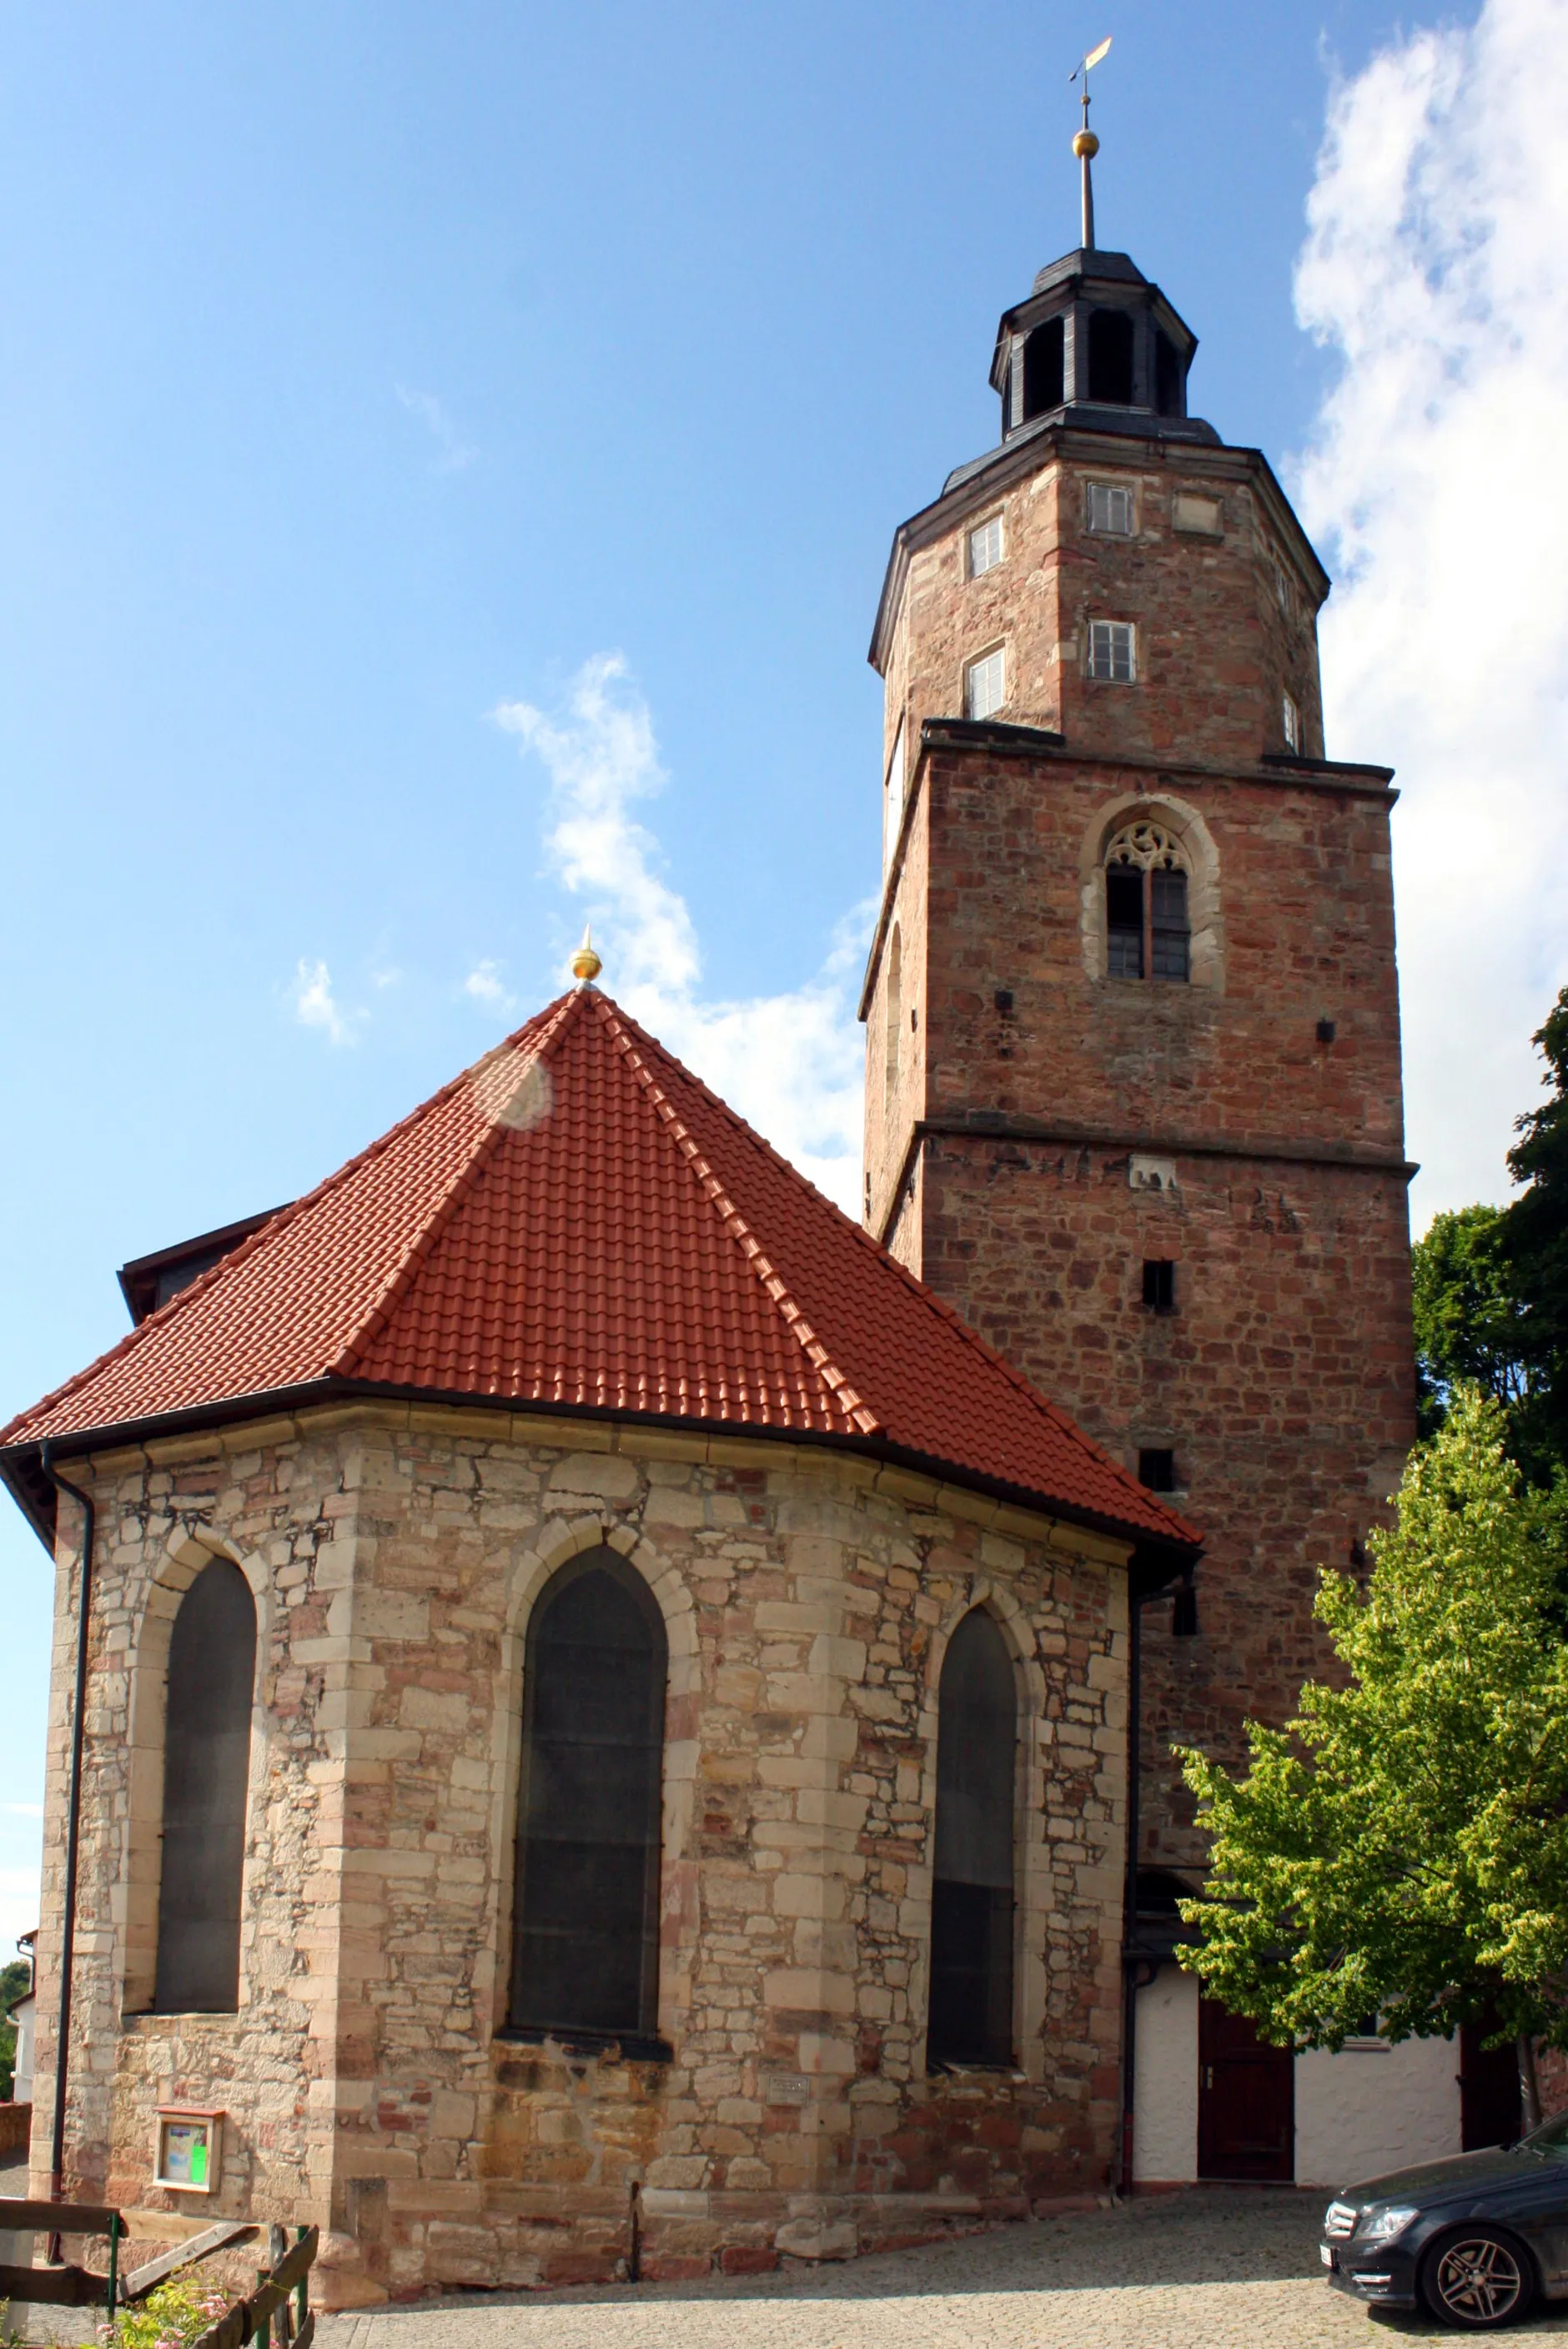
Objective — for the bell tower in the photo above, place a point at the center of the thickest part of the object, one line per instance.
(1132, 1077)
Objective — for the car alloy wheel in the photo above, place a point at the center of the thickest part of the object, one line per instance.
(1477, 2280)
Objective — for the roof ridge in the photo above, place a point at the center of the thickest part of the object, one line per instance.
(843, 1395)
(379, 1311)
(928, 1297)
(183, 1298)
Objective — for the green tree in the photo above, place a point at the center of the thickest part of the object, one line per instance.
(1534, 1239)
(16, 1980)
(1469, 1322)
(1402, 1846)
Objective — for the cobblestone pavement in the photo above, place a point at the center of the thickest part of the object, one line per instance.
(1236, 2269)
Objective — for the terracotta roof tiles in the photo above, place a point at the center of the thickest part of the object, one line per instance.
(578, 1221)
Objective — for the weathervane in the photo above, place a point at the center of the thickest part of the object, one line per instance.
(1086, 146)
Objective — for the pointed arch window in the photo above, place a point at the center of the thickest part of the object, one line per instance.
(970, 2019)
(206, 1786)
(893, 1041)
(1148, 924)
(586, 1943)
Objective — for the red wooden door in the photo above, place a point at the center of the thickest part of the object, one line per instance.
(1246, 2100)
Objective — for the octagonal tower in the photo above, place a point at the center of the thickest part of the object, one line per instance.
(1133, 1081)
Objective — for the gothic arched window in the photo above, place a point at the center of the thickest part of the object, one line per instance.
(894, 1037)
(206, 1781)
(971, 2008)
(585, 1940)
(1147, 927)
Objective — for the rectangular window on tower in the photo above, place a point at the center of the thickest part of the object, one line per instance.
(986, 685)
(1110, 509)
(985, 547)
(1157, 1469)
(1290, 721)
(1110, 651)
(1159, 1284)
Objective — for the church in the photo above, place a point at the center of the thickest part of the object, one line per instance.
(621, 1722)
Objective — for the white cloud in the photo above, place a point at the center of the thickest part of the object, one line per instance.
(453, 453)
(315, 1005)
(21, 1810)
(1433, 265)
(791, 1063)
(485, 985)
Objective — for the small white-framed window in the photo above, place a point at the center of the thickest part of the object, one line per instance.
(1112, 652)
(986, 685)
(986, 548)
(1110, 509)
(1290, 721)
(892, 798)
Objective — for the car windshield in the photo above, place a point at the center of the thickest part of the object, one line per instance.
(1550, 2137)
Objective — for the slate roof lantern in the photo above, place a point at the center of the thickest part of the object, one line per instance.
(1096, 346)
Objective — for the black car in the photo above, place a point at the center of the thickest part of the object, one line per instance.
(1475, 2239)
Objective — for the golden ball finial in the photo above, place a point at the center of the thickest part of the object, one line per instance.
(1086, 143)
(586, 964)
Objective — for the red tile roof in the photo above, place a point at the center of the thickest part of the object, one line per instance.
(577, 1221)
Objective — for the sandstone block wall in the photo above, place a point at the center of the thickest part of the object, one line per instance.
(369, 2081)
(1215, 577)
(1282, 1382)
(1058, 1127)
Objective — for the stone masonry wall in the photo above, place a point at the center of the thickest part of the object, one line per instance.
(1284, 1380)
(1000, 891)
(1224, 611)
(807, 1597)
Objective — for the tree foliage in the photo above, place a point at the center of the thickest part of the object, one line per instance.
(1535, 1242)
(1402, 1846)
(1469, 1322)
(16, 1980)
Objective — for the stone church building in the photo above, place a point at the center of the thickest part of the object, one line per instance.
(609, 1688)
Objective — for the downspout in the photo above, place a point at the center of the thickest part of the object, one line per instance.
(73, 1835)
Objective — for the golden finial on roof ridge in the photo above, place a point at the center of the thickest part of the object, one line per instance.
(586, 964)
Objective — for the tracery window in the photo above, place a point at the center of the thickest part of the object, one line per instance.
(1147, 927)
(586, 1943)
(970, 2017)
(206, 1782)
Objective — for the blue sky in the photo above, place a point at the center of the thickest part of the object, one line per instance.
(368, 369)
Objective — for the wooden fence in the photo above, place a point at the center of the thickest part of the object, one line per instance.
(278, 2310)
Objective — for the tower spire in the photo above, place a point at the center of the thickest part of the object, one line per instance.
(1086, 146)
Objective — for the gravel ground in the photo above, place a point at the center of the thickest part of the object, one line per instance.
(1229, 2269)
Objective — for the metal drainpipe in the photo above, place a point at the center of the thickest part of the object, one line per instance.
(73, 1828)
